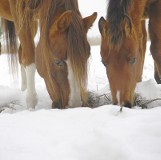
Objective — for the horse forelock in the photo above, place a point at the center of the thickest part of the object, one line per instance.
(78, 51)
(116, 13)
(78, 48)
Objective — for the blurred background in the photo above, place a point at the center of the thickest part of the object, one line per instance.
(87, 7)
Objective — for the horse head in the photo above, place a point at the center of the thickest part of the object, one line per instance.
(120, 51)
(62, 62)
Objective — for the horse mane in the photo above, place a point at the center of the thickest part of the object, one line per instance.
(78, 48)
(117, 11)
(34, 4)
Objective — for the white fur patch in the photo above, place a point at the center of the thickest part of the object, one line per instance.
(74, 96)
(23, 79)
(31, 96)
(118, 97)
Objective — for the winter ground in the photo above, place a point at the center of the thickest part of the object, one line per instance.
(102, 133)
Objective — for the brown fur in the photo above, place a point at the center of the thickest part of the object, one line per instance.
(62, 36)
(124, 44)
(69, 33)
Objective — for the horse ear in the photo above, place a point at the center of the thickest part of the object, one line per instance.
(88, 21)
(102, 25)
(63, 21)
(127, 25)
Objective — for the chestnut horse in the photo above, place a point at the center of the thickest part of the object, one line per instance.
(62, 51)
(124, 43)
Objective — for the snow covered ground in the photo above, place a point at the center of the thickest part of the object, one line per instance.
(102, 133)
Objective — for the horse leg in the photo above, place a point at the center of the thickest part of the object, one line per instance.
(23, 73)
(26, 30)
(144, 38)
(27, 61)
(155, 36)
(156, 74)
(28, 69)
(143, 48)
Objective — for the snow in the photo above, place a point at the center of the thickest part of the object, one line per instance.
(102, 133)
(87, 7)
(81, 134)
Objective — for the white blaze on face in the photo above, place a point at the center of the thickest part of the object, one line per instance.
(74, 95)
(118, 97)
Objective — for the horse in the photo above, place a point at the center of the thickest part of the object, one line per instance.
(123, 45)
(61, 54)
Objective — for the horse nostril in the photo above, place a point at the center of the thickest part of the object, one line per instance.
(56, 105)
(128, 105)
(115, 103)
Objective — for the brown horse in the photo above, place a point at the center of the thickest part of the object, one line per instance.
(124, 43)
(62, 51)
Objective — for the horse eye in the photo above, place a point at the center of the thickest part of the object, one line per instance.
(132, 60)
(59, 63)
